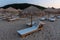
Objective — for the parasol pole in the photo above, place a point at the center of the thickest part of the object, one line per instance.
(31, 19)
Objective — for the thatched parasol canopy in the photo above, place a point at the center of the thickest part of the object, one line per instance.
(32, 10)
(50, 10)
(19, 10)
(2, 10)
(12, 10)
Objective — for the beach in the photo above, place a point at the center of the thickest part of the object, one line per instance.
(8, 30)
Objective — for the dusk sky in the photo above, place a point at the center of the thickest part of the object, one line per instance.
(45, 3)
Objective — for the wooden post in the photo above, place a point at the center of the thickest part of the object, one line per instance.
(48, 14)
(31, 20)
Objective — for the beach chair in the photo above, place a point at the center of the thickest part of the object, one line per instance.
(29, 24)
(3, 18)
(42, 18)
(52, 19)
(58, 16)
(13, 19)
(25, 32)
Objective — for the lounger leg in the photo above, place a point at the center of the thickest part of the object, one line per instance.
(40, 27)
(23, 36)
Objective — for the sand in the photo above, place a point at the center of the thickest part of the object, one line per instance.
(8, 30)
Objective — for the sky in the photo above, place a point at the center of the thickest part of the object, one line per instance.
(45, 3)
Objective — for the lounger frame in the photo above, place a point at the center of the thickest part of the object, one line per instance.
(9, 20)
(39, 28)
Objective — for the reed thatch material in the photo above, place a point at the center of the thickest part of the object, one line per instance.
(32, 10)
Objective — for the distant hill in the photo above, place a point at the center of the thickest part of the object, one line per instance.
(22, 6)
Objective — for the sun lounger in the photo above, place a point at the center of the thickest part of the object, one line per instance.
(29, 24)
(42, 18)
(4, 18)
(13, 19)
(52, 19)
(28, 31)
(58, 16)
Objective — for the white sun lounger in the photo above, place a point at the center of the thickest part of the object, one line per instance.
(13, 19)
(28, 24)
(58, 16)
(30, 30)
(52, 19)
(42, 18)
